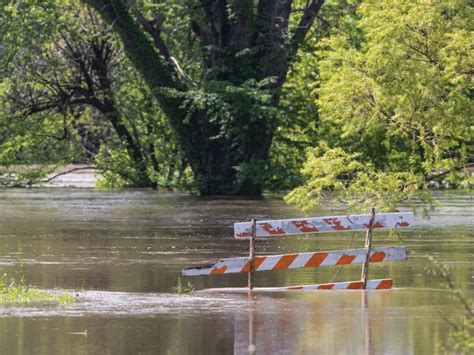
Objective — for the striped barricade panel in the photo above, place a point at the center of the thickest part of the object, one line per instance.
(299, 260)
(383, 284)
(322, 224)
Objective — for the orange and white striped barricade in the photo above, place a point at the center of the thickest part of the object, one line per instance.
(298, 260)
(381, 284)
(295, 226)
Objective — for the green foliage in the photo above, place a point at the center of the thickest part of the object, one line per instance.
(461, 337)
(115, 165)
(234, 110)
(299, 124)
(24, 175)
(50, 101)
(389, 83)
(226, 103)
(17, 290)
(30, 31)
(182, 289)
(13, 292)
(405, 77)
(335, 176)
(395, 106)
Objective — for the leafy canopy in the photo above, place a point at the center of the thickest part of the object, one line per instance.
(397, 105)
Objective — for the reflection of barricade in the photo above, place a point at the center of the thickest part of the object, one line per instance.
(262, 229)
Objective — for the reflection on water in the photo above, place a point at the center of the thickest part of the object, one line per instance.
(122, 252)
(366, 322)
(327, 322)
(344, 322)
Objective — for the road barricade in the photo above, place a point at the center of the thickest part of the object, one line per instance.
(284, 227)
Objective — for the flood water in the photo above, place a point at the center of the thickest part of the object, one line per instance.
(121, 252)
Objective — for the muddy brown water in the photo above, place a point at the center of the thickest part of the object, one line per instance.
(121, 252)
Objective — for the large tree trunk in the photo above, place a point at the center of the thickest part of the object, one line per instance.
(254, 45)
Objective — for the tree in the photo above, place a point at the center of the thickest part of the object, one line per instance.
(397, 106)
(73, 75)
(224, 114)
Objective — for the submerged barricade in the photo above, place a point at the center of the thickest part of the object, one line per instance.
(272, 228)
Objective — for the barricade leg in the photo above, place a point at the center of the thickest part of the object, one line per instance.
(368, 244)
(251, 254)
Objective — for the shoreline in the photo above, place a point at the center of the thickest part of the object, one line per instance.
(86, 176)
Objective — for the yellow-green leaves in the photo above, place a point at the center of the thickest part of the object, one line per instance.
(400, 100)
(412, 74)
(326, 172)
(336, 177)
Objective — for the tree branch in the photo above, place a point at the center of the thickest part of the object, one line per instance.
(138, 47)
(66, 172)
(306, 21)
(271, 34)
(432, 177)
(153, 28)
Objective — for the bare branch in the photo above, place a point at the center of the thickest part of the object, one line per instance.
(432, 177)
(138, 47)
(309, 14)
(66, 172)
(153, 28)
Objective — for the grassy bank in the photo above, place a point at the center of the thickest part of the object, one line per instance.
(30, 295)
(21, 293)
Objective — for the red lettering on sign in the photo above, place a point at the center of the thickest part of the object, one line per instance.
(336, 224)
(269, 229)
(305, 226)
